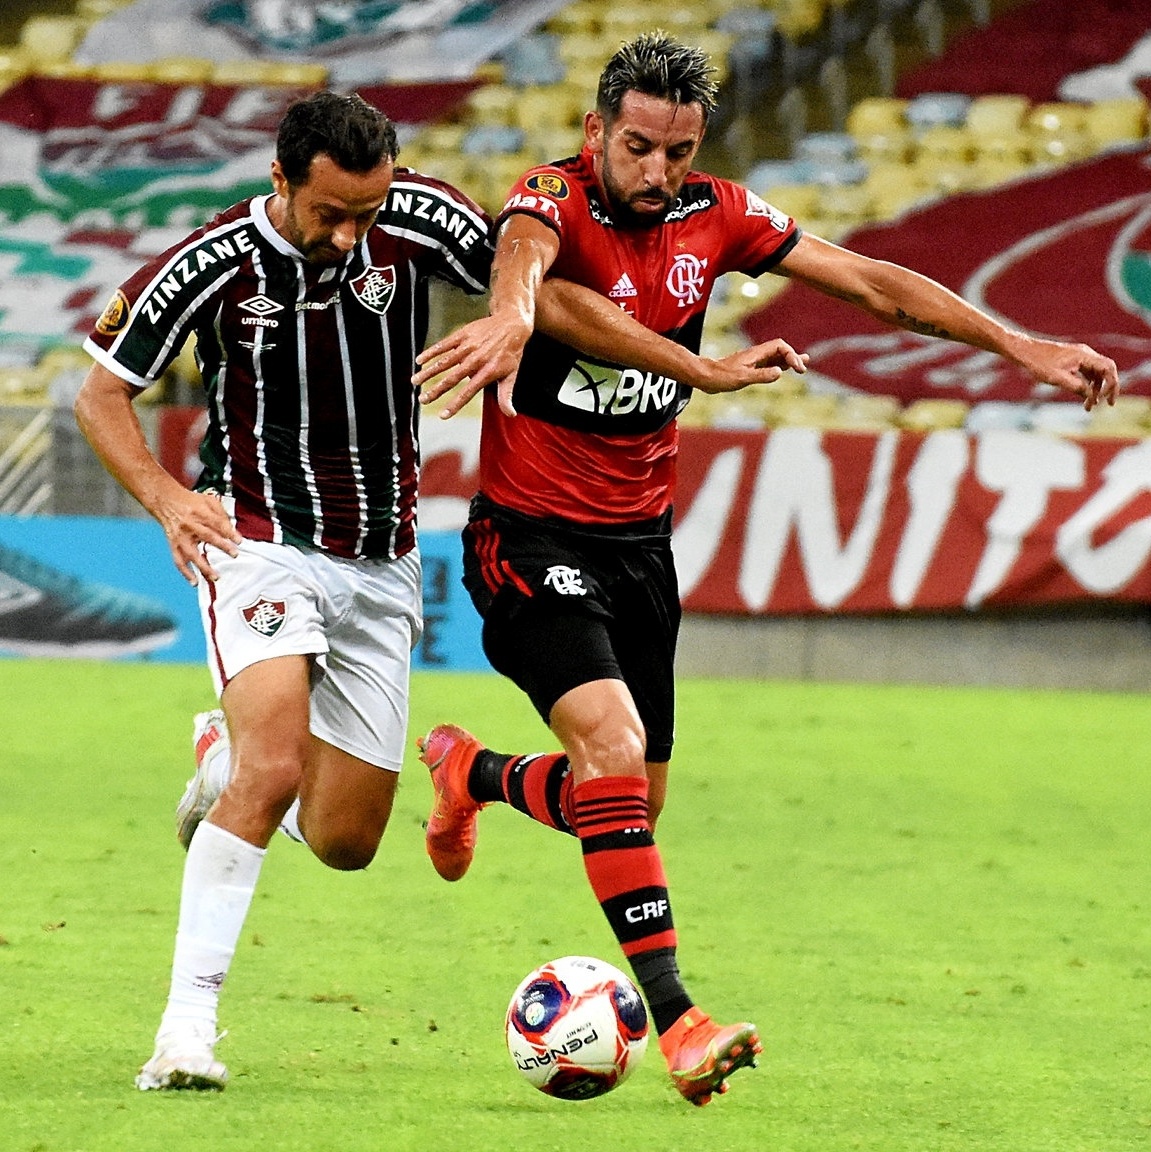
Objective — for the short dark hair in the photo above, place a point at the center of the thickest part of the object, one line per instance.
(346, 128)
(656, 65)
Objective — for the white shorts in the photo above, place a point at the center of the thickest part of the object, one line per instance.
(359, 618)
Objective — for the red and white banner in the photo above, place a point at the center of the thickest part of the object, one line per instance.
(1064, 254)
(803, 521)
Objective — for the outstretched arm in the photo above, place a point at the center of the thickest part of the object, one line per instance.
(909, 300)
(488, 350)
(108, 420)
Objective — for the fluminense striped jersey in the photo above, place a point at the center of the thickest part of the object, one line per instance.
(312, 419)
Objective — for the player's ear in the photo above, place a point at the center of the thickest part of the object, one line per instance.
(594, 130)
(279, 180)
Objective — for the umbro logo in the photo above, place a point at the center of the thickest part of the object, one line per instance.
(623, 287)
(260, 305)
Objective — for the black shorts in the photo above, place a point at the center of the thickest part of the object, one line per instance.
(564, 605)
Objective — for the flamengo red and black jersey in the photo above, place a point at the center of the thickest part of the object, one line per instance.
(312, 418)
(595, 442)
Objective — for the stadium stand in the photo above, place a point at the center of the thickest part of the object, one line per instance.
(836, 105)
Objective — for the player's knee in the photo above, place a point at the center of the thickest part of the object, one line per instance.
(613, 749)
(344, 853)
(265, 790)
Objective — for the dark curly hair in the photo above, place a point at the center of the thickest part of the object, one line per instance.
(654, 64)
(346, 128)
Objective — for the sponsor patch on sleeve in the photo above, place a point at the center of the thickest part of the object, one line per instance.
(757, 206)
(548, 184)
(114, 316)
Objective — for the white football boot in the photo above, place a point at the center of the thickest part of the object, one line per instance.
(213, 765)
(184, 1060)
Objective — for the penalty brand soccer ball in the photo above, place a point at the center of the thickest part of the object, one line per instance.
(576, 1028)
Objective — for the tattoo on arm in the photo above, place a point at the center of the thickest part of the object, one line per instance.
(923, 327)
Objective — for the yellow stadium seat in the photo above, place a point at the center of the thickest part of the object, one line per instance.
(1116, 121)
(243, 73)
(64, 70)
(807, 410)
(799, 201)
(1055, 117)
(443, 138)
(184, 69)
(581, 46)
(297, 75)
(894, 188)
(943, 175)
(553, 106)
(877, 114)
(849, 202)
(996, 115)
(869, 406)
(493, 104)
(1013, 144)
(48, 38)
(1127, 409)
(932, 414)
(93, 10)
(582, 17)
(1111, 430)
(15, 64)
(944, 142)
(988, 171)
(122, 72)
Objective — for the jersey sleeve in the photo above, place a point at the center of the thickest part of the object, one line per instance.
(758, 235)
(545, 193)
(149, 317)
(450, 231)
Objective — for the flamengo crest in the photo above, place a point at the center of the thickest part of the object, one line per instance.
(375, 287)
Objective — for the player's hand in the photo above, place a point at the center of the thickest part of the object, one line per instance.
(1075, 368)
(191, 520)
(759, 364)
(486, 351)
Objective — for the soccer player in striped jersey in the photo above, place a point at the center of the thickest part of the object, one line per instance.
(568, 546)
(308, 307)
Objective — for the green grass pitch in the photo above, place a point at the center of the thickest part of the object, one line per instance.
(935, 904)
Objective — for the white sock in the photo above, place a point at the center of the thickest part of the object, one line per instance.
(290, 825)
(220, 875)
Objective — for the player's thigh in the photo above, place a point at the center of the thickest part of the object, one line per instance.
(345, 805)
(643, 630)
(360, 697)
(267, 710)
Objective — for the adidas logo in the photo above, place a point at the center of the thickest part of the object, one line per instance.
(623, 287)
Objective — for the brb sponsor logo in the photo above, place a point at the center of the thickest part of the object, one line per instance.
(648, 910)
(617, 391)
(685, 280)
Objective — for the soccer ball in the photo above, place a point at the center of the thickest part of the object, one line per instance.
(576, 1027)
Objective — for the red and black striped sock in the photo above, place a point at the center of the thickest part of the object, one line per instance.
(626, 874)
(539, 785)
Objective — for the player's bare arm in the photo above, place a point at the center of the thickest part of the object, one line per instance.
(106, 416)
(488, 350)
(592, 324)
(917, 303)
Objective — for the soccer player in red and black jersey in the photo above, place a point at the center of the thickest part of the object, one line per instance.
(308, 306)
(567, 550)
